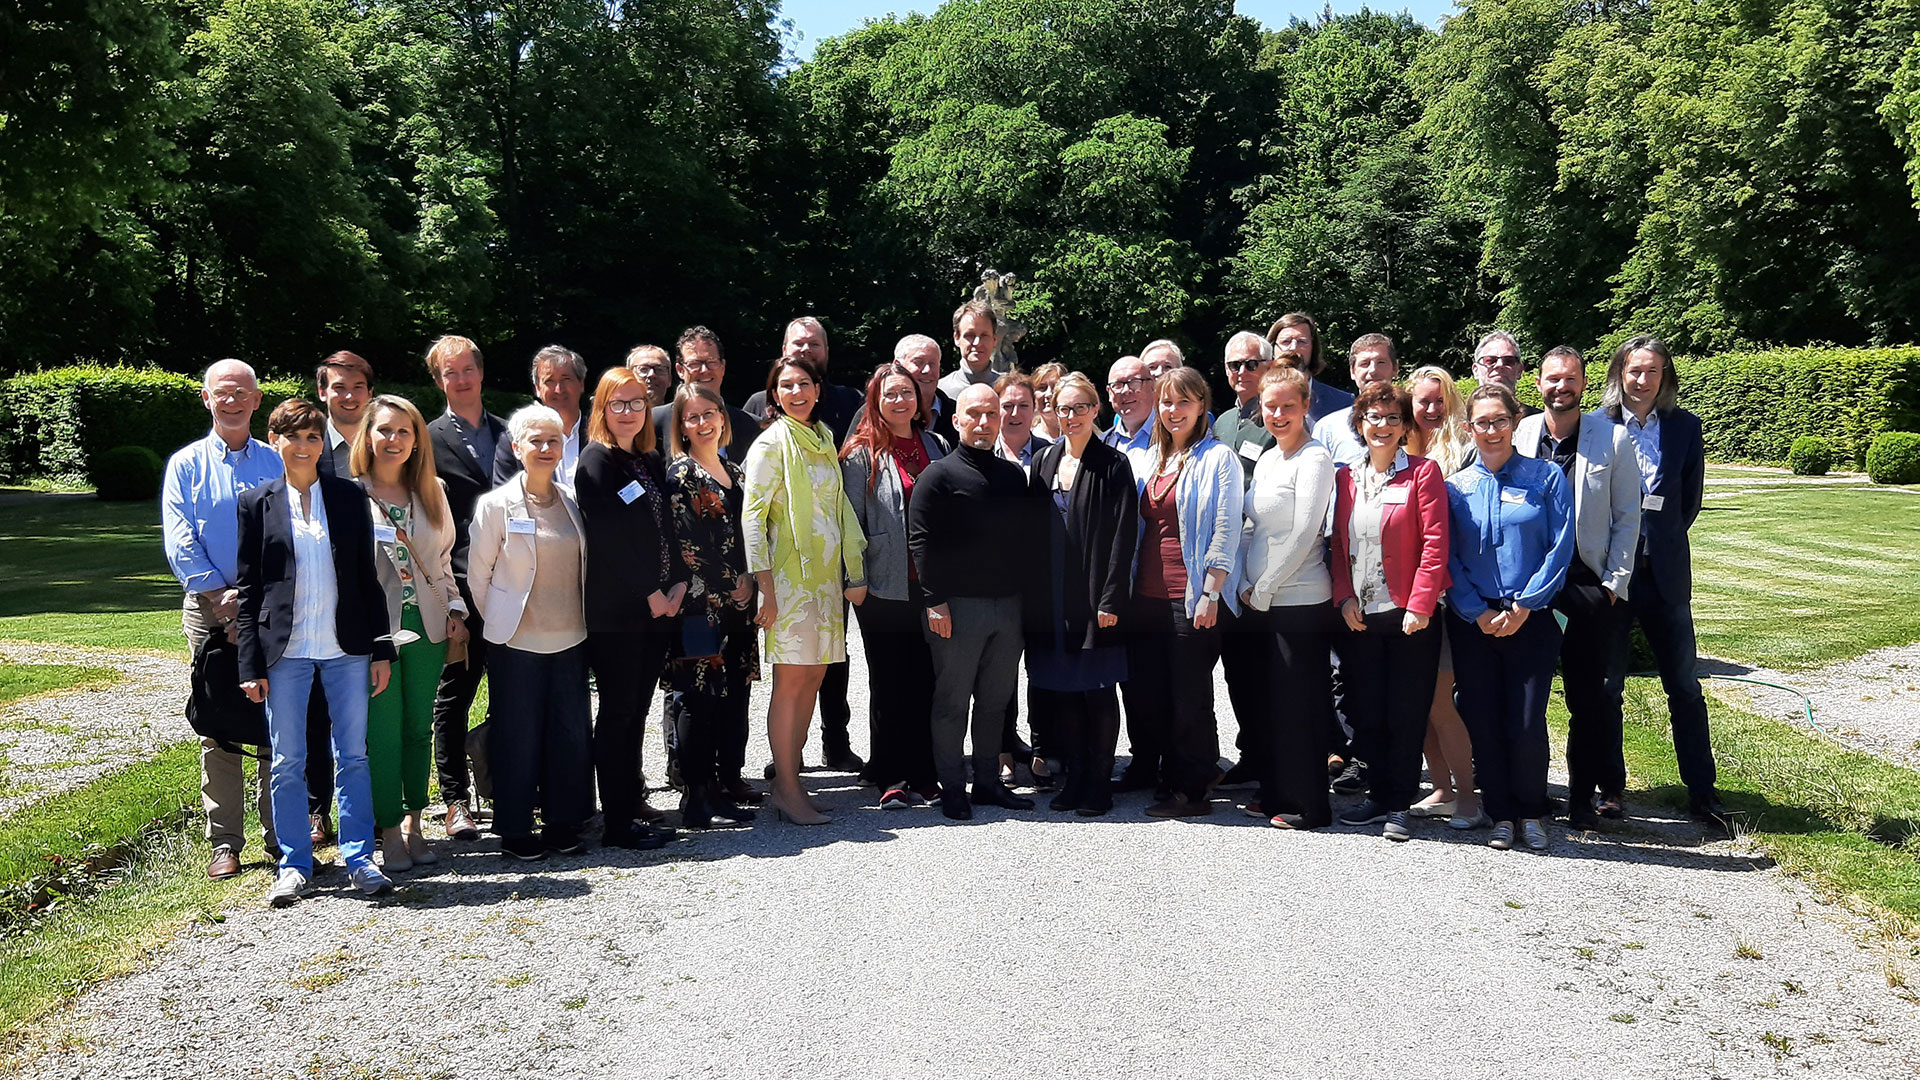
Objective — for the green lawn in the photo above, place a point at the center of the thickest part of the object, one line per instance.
(85, 572)
(25, 680)
(1795, 577)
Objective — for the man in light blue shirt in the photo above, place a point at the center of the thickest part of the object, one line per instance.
(1130, 391)
(201, 530)
(1371, 360)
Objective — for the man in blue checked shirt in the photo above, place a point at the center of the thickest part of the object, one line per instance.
(201, 530)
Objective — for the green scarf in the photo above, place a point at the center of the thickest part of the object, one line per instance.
(804, 445)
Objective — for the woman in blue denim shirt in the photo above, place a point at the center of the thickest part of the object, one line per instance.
(1189, 564)
(1512, 539)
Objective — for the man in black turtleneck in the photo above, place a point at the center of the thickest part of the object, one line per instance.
(964, 508)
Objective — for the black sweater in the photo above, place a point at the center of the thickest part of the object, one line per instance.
(631, 545)
(972, 527)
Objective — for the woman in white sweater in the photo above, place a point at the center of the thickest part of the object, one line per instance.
(1289, 589)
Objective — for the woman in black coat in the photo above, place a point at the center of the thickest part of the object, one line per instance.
(635, 581)
(1074, 659)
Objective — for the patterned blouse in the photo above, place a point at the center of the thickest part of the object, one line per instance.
(707, 519)
(401, 518)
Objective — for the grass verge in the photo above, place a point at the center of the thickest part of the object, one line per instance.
(25, 680)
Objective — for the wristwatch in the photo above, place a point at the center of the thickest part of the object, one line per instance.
(1213, 595)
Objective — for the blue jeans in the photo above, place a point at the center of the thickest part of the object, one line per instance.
(289, 685)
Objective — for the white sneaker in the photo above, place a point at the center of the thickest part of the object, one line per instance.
(368, 879)
(289, 887)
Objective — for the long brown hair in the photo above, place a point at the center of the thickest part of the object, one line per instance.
(1180, 382)
(418, 474)
(871, 432)
(613, 379)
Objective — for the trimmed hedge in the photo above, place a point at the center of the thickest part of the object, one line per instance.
(1895, 458)
(1753, 405)
(1810, 456)
(127, 474)
(54, 424)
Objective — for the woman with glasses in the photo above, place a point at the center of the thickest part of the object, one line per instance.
(413, 552)
(719, 651)
(1075, 655)
(1439, 433)
(1512, 540)
(1021, 444)
(1389, 569)
(635, 582)
(1285, 593)
(1046, 421)
(879, 464)
(1191, 494)
(804, 549)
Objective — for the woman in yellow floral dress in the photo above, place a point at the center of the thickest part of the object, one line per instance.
(804, 549)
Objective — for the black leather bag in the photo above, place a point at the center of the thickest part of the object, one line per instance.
(219, 709)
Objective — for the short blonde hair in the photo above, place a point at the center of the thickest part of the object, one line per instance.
(448, 346)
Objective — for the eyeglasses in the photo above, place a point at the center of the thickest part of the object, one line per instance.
(1488, 427)
(620, 408)
(1078, 408)
(703, 365)
(1499, 359)
(1135, 383)
(895, 397)
(1383, 419)
(699, 419)
(1241, 367)
(228, 397)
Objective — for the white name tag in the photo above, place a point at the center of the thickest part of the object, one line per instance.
(1394, 496)
(632, 491)
(386, 534)
(1251, 450)
(1512, 495)
(1652, 502)
(521, 525)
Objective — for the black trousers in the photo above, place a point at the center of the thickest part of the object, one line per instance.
(1593, 671)
(1669, 628)
(452, 703)
(1171, 668)
(1298, 713)
(1246, 660)
(900, 689)
(626, 669)
(1086, 732)
(538, 745)
(710, 720)
(1390, 678)
(1504, 685)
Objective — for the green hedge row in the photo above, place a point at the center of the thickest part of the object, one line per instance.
(53, 424)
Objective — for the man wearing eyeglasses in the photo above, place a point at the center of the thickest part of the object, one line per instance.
(1130, 392)
(704, 363)
(1597, 457)
(1371, 360)
(1296, 343)
(1496, 359)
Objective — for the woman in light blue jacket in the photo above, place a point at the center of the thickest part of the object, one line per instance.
(1190, 504)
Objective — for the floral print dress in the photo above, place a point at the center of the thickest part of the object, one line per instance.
(798, 525)
(707, 519)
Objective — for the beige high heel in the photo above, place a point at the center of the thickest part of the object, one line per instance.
(782, 813)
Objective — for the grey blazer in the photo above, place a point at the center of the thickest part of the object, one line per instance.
(883, 517)
(1606, 494)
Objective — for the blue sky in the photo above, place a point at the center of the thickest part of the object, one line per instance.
(816, 19)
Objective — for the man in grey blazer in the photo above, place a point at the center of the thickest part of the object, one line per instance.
(1598, 458)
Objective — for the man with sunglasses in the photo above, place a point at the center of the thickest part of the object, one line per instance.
(1496, 359)
(1371, 360)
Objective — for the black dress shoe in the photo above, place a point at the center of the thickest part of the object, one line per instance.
(955, 805)
(1136, 778)
(1581, 816)
(1068, 799)
(1241, 775)
(999, 795)
(845, 760)
(1710, 809)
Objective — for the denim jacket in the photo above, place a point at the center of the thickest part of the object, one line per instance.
(1210, 498)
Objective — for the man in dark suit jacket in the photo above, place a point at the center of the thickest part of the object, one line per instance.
(920, 356)
(465, 440)
(1642, 386)
(702, 361)
(344, 382)
(839, 405)
(313, 613)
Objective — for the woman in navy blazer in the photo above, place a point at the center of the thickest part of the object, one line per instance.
(311, 608)
(1389, 569)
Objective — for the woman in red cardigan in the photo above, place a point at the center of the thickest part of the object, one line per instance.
(1389, 569)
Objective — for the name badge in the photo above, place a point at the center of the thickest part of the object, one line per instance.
(523, 526)
(1652, 502)
(632, 491)
(1513, 495)
(1394, 496)
(386, 534)
(1251, 450)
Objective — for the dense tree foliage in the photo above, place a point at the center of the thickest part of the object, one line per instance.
(181, 179)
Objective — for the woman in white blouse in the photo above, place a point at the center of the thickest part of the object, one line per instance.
(1288, 589)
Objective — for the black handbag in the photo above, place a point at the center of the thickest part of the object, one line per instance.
(219, 709)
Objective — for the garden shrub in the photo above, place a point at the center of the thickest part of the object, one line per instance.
(127, 474)
(1810, 456)
(1894, 458)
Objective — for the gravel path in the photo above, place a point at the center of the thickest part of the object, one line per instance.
(1022, 944)
(1871, 701)
(57, 741)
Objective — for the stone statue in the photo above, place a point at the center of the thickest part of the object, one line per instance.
(996, 291)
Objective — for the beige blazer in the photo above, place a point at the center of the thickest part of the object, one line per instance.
(500, 563)
(432, 547)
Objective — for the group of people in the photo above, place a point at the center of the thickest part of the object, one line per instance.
(1383, 575)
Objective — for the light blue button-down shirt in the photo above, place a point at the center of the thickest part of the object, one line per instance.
(199, 507)
(1138, 446)
(1646, 446)
(1512, 534)
(1335, 432)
